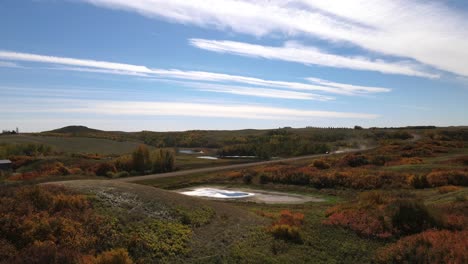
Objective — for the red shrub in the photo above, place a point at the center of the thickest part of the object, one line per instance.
(287, 227)
(448, 177)
(428, 247)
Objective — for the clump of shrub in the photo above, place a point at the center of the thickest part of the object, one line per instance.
(105, 169)
(419, 181)
(287, 227)
(321, 164)
(40, 224)
(448, 177)
(448, 189)
(114, 256)
(247, 177)
(431, 246)
(411, 216)
(355, 160)
(43, 169)
(383, 215)
(158, 240)
(197, 217)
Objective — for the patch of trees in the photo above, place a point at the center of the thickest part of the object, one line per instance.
(141, 161)
(401, 135)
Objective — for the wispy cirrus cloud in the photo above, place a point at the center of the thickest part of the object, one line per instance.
(255, 91)
(94, 66)
(296, 52)
(429, 32)
(8, 64)
(144, 108)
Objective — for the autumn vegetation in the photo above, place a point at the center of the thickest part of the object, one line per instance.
(404, 201)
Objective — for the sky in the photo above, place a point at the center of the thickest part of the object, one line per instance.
(224, 64)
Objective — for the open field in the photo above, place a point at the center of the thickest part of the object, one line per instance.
(75, 144)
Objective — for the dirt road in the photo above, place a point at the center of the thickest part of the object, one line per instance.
(227, 167)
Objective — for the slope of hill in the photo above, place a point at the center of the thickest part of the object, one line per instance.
(73, 129)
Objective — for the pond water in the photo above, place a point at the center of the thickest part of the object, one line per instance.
(248, 195)
(240, 157)
(207, 157)
(189, 151)
(218, 193)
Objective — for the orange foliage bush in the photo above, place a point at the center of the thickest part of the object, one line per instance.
(115, 256)
(448, 188)
(102, 169)
(287, 227)
(53, 168)
(448, 177)
(233, 175)
(428, 247)
(18, 161)
(47, 224)
(321, 164)
(382, 215)
(405, 161)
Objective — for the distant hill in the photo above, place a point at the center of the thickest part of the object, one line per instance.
(73, 129)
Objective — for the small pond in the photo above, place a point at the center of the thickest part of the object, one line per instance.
(248, 195)
(207, 157)
(217, 193)
(190, 151)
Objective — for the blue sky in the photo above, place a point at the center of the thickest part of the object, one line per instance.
(178, 65)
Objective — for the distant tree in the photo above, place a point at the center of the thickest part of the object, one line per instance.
(163, 161)
(140, 158)
(358, 127)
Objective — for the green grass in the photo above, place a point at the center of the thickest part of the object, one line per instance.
(432, 195)
(75, 144)
(321, 244)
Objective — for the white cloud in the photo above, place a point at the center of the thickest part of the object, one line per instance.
(348, 87)
(296, 52)
(16, 56)
(141, 108)
(427, 31)
(8, 64)
(83, 65)
(255, 91)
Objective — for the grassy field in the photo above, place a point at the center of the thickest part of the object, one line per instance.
(75, 144)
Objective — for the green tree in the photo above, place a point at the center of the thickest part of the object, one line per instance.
(140, 159)
(163, 161)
